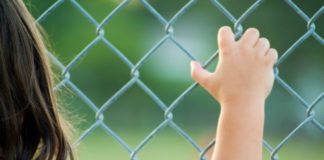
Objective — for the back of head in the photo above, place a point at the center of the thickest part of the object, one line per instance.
(30, 127)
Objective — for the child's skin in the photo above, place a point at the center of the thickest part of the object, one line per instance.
(241, 83)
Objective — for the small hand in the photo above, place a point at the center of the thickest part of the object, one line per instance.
(244, 70)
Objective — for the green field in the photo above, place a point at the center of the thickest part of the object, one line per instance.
(169, 146)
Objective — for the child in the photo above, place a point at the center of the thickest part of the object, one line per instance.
(241, 83)
(30, 126)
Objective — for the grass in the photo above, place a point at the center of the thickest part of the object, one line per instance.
(168, 145)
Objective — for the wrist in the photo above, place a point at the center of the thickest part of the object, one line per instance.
(243, 105)
(247, 98)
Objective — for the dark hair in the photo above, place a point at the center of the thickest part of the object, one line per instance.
(30, 126)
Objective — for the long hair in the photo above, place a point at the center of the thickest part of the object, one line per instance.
(30, 126)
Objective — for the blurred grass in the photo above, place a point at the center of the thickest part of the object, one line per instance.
(167, 145)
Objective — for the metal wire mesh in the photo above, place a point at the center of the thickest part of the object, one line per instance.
(310, 119)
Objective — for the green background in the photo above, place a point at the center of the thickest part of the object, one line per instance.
(135, 30)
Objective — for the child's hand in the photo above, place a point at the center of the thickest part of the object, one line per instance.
(244, 70)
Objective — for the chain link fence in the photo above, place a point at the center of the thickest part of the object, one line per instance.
(310, 119)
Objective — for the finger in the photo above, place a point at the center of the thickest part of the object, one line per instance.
(226, 37)
(272, 56)
(199, 74)
(250, 37)
(262, 45)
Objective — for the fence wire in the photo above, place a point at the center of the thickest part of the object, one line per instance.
(310, 118)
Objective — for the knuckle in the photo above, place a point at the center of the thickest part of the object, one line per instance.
(245, 47)
(225, 48)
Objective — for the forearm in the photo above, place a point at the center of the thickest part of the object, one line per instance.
(240, 131)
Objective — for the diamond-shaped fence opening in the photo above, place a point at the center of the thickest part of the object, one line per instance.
(101, 28)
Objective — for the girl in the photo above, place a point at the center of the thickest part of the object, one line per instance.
(30, 126)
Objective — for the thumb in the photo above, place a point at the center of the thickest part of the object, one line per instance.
(199, 74)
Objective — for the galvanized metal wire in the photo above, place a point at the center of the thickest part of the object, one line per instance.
(310, 118)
